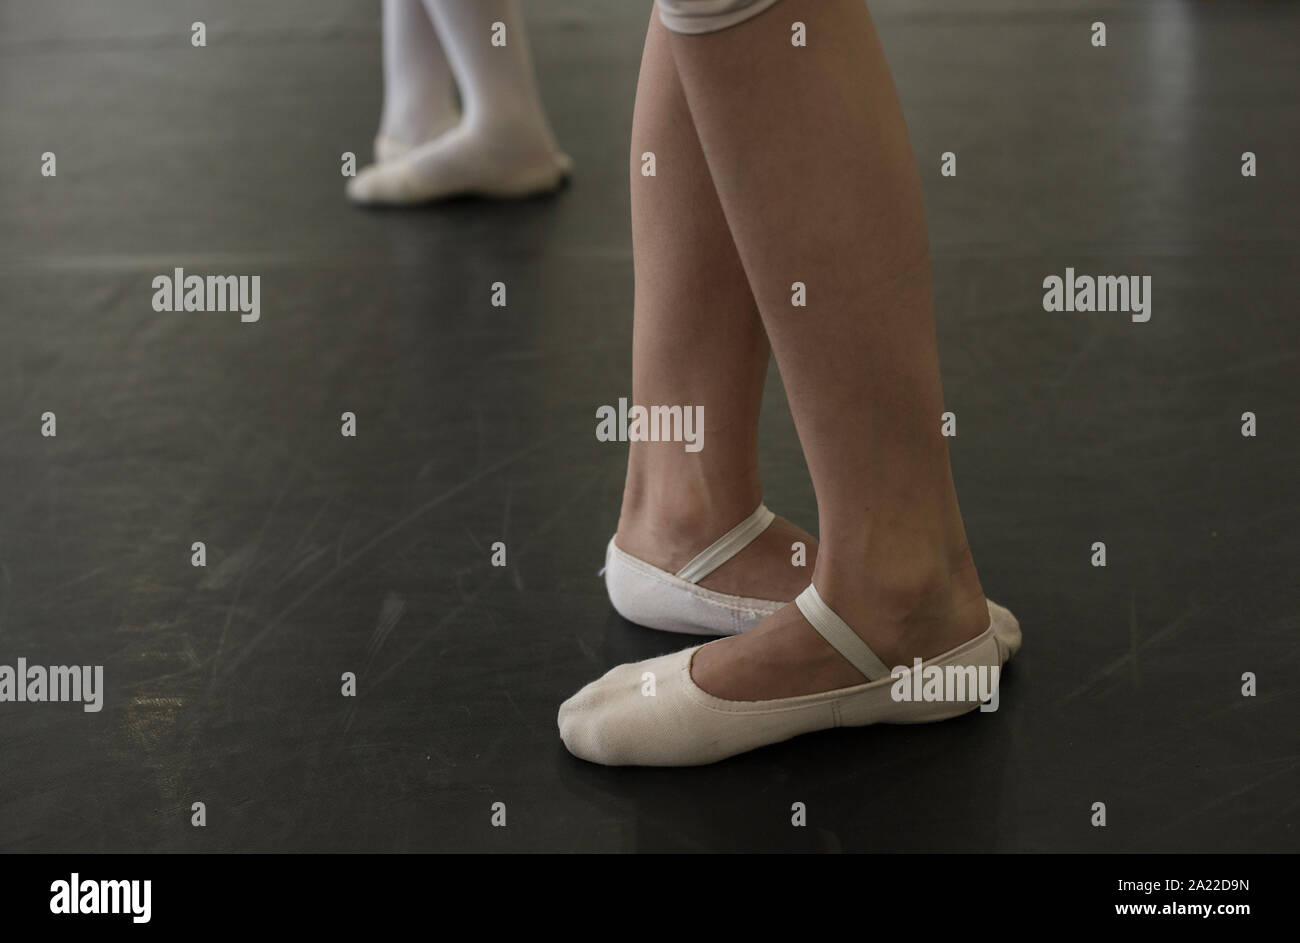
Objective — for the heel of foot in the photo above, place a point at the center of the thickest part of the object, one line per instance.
(545, 178)
(654, 598)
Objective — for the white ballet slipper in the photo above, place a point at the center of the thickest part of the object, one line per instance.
(396, 183)
(389, 148)
(675, 602)
(652, 713)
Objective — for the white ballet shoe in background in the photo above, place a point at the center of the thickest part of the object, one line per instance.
(615, 722)
(675, 602)
(451, 165)
(389, 148)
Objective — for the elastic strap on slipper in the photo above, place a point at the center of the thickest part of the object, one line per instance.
(837, 632)
(727, 546)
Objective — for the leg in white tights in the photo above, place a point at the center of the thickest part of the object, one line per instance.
(503, 145)
(419, 90)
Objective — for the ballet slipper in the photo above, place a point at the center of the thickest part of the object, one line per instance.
(675, 602)
(389, 148)
(652, 713)
(400, 182)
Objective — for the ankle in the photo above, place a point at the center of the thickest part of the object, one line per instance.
(412, 121)
(524, 130)
(668, 527)
(906, 590)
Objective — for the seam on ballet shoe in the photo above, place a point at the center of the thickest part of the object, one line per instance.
(783, 704)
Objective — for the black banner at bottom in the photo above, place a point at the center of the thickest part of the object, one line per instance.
(112, 894)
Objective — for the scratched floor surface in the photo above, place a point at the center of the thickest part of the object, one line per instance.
(370, 554)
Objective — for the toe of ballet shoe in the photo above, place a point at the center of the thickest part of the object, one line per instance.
(616, 719)
(364, 187)
(384, 185)
(1006, 630)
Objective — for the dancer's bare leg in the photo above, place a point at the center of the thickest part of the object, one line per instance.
(810, 156)
(697, 340)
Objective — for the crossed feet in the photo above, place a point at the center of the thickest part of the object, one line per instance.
(506, 158)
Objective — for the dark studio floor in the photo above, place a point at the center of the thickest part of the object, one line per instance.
(328, 554)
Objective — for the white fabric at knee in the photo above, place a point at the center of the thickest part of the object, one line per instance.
(708, 16)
